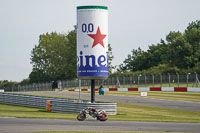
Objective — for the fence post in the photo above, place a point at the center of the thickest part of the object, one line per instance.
(102, 82)
(169, 78)
(187, 77)
(152, 79)
(177, 78)
(112, 82)
(139, 80)
(145, 80)
(79, 89)
(130, 81)
(160, 79)
(123, 81)
(98, 83)
(118, 83)
(197, 80)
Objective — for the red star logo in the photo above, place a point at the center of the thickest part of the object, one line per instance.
(98, 38)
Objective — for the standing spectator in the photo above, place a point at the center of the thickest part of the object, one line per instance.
(101, 91)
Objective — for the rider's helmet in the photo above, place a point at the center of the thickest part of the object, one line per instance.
(103, 111)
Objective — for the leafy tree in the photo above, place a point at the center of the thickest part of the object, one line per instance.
(181, 51)
(38, 75)
(24, 81)
(157, 54)
(137, 61)
(54, 58)
(141, 60)
(192, 36)
(7, 84)
(110, 58)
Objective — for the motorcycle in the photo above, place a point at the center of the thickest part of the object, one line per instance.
(91, 112)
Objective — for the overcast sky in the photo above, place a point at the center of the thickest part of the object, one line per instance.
(132, 24)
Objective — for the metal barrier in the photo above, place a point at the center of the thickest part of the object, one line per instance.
(167, 80)
(57, 104)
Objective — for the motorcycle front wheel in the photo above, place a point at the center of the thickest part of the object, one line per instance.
(81, 117)
(103, 117)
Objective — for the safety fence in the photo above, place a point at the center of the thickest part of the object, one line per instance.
(57, 104)
(169, 80)
(174, 80)
(169, 89)
(30, 87)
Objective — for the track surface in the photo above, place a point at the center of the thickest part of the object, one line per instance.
(21, 125)
(182, 105)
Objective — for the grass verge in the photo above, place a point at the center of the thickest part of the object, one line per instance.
(181, 96)
(129, 112)
(27, 112)
(126, 112)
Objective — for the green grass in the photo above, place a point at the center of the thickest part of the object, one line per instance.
(128, 112)
(125, 112)
(27, 112)
(101, 132)
(181, 96)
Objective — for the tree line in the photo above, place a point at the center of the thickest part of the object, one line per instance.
(54, 57)
(180, 52)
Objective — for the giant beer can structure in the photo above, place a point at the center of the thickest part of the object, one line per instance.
(92, 42)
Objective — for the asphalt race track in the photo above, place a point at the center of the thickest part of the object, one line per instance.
(182, 105)
(21, 125)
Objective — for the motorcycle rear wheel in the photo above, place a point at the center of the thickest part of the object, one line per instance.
(81, 117)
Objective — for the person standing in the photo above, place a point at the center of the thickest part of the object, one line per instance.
(101, 90)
